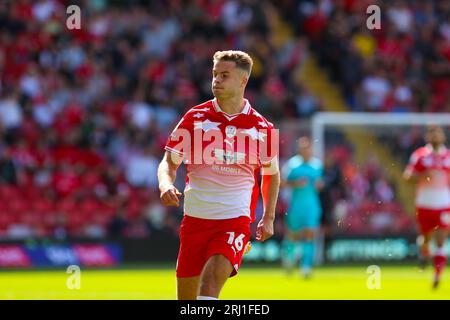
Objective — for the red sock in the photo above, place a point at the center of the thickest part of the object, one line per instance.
(439, 262)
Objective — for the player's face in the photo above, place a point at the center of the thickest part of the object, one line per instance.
(435, 135)
(304, 148)
(228, 81)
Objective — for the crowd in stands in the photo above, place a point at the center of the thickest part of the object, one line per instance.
(84, 114)
(404, 66)
(361, 199)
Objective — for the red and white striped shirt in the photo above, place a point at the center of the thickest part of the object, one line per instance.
(433, 191)
(223, 155)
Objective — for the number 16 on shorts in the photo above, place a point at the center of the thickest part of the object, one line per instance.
(238, 241)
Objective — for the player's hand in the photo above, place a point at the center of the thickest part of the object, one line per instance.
(264, 229)
(169, 196)
(248, 247)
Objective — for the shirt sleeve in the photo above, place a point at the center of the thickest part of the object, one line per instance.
(179, 142)
(269, 158)
(415, 165)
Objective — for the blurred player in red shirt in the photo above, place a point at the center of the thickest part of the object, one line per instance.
(225, 144)
(429, 168)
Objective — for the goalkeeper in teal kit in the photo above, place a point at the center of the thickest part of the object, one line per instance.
(302, 174)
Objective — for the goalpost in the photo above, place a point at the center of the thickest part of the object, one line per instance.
(323, 119)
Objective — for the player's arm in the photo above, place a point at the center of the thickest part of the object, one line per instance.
(270, 185)
(319, 183)
(300, 182)
(286, 182)
(167, 173)
(412, 174)
(414, 177)
(409, 176)
(176, 146)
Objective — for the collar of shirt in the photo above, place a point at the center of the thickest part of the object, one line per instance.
(441, 150)
(245, 110)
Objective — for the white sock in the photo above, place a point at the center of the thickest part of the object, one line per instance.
(206, 298)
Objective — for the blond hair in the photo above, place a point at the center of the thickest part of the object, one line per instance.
(243, 60)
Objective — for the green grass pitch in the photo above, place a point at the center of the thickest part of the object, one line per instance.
(397, 282)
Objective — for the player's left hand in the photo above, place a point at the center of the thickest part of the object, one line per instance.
(265, 229)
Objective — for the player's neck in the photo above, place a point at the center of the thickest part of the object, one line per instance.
(305, 159)
(233, 105)
(436, 147)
